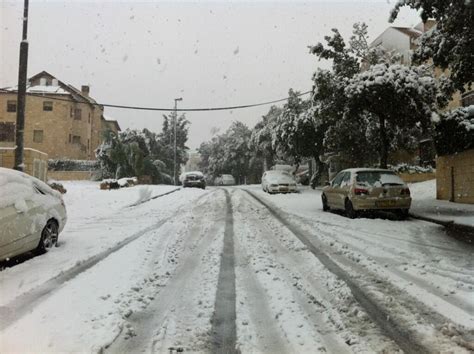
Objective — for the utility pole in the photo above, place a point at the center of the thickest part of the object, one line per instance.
(22, 78)
(175, 119)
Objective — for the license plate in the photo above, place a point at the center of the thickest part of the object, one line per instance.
(385, 203)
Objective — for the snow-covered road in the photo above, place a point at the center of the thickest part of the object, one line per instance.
(235, 268)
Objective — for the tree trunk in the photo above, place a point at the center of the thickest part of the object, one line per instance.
(320, 170)
(383, 143)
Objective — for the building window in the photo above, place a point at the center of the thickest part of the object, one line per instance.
(7, 131)
(78, 114)
(11, 106)
(70, 138)
(76, 139)
(89, 117)
(468, 99)
(88, 144)
(71, 112)
(37, 136)
(47, 106)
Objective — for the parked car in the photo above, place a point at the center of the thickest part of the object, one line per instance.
(31, 214)
(360, 189)
(194, 179)
(224, 180)
(276, 181)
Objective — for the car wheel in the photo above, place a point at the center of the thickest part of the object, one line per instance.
(324, 199)
(49, 236)
(402, 214)
(350, 212)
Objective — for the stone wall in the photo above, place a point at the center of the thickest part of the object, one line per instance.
(36, 162)
(455, 177)
(70, 175)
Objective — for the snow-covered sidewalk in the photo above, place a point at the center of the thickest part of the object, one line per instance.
(426, 205)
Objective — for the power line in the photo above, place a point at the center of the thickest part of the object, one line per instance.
(172, 109)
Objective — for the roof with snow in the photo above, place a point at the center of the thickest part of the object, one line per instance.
(108, 120)
(413, 33)
(52, 86)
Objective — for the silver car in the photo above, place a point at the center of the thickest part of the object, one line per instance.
(31, 214)
(224, 180)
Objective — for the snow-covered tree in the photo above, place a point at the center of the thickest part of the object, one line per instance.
(261, 139)
(167, 138)
(450, 44)
(297, 131)
(131, 153)
(454, 131)
(392, 98)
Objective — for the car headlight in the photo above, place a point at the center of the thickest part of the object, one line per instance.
(273, 185)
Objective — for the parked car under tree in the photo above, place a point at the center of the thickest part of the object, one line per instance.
(31, 214)
(363, 189)
(276, 181)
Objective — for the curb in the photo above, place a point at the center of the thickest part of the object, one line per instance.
(460, 231)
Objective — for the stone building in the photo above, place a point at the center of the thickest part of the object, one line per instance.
(60, 120)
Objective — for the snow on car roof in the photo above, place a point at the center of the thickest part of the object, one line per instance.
(366, 169)
(17, 186)
(198, 173)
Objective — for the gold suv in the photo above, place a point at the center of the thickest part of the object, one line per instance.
(360, 189)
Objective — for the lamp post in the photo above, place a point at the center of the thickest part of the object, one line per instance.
(21, 97)
(175, 119)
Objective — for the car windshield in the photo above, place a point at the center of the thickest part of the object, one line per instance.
(236, 176)
(378, 178)
(279, 173)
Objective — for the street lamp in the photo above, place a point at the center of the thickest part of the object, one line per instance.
(175, 119)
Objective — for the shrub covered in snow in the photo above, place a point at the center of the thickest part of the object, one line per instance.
(72, 165)
(411, 169)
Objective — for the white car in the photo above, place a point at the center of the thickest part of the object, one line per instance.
(225, 180)
(276, 181)
(31, 214)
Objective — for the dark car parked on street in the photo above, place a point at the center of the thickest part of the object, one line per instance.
(194, 179)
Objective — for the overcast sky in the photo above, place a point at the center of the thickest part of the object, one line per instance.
(209, 53)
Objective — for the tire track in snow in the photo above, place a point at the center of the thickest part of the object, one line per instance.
(285, 266)
(224, 332)
(23, 304)
(405, 339)
(155, 328)
(457, 303)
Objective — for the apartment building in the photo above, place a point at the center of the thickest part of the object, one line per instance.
(60, 120)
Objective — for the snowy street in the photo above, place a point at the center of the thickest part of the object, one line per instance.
(235, 268)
